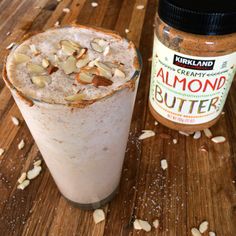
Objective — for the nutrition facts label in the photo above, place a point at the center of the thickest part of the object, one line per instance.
(188, 89)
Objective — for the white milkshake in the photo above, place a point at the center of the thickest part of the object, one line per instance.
(76, 88)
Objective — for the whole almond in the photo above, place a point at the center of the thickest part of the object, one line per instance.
(101, 81)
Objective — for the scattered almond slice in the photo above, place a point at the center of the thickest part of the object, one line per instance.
(41, 80)
(8, 33)
(20, 58)
(119, 73)
(203, 227)
(35, 69)
(197, 135)
(51, 69)
(24, 184)
(37, 163)
(164, 164)
(145, 225)
(175, 141)
(21, 144)
(1, 151)
(57, 24)
(140, 7)
(22, 178)
(146, 134)
(195, 232)
(156, 223)
(218, 139)
(127, 31)
(208, 133)
(98, 216)
(82, 62)
(33, 173)
(66, 10)
(69, 66)
(137, 225)
(101, 81)
(45, 63)
(69, 47)
(94, 4)
(84, 77)
(212, 233)
(34, 49)
(10, 46)
(15, 121)
(75, 97)
(184, 133)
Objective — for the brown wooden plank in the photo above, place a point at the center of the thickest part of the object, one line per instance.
(196, 186)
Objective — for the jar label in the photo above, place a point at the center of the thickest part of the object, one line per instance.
(189, 89)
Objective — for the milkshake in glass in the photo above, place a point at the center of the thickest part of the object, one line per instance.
(75, 87)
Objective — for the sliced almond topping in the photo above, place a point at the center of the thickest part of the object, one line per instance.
(119, 73)
(81, 53)
(104, 69)
(69, 66)
(156, 223)
(98, 216)
(21, 144)
(195, 232)
(197, 135)
(218, 139)
(34, 49)
(145, 225)
(82, 62)
(24, 184)
(96, 47)
(208, 133)
(164, 164)
(203, 227)
(69, 47)
(22, 178)
(35, 69)
(137, 225)
(15, 121)
(10, 46)
(106, 50)
(1, 151)
(41, 80)
(75, 97)
(31, 174)
(20, 58)
(146, 134)
(45, 63)
(51, 69)
(101, 81)
(84, 77)
(92, 63)
(37, 163)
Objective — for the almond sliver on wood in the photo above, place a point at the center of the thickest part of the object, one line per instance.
(98, 216)
(208, 133)
(146, 134)
(218, 139)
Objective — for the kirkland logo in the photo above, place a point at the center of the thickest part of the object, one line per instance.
(193, 64)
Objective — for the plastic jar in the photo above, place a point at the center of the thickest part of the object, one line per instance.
(194, 61)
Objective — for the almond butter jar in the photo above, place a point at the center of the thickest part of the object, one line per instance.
(193, 63)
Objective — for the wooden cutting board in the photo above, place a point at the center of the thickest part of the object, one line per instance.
(196, 186)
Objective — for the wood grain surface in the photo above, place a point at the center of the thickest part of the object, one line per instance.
(196, 186)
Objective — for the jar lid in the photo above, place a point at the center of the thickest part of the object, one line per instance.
(207, 17)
